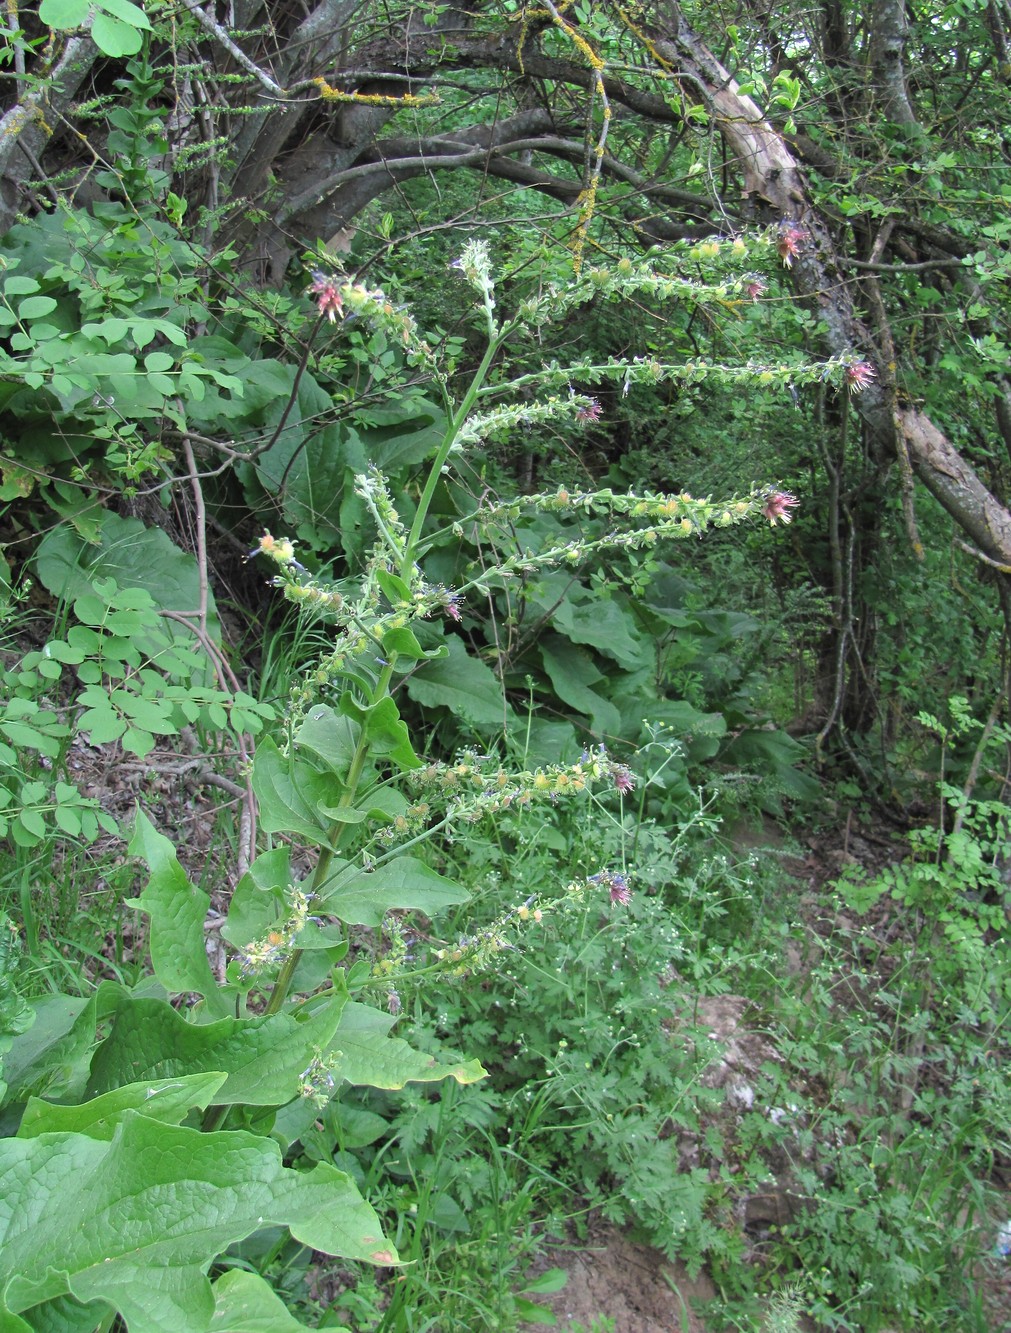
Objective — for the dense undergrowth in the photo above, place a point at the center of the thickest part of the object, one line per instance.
(480, 793)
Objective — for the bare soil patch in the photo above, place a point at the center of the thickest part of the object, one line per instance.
(637, 1287)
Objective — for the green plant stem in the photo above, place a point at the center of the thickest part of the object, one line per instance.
(448, 440)
(284, 978)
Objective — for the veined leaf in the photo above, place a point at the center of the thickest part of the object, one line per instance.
(369, 1057)
(166, 1100)
(362, 898)
(465, 685)
(51, 1058)
(177, 910)
(263, 1057)
(136, 1221)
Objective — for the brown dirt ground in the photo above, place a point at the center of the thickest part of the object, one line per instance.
(633, 1285)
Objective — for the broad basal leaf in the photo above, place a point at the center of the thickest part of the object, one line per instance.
(51, 1058)
(135, 556)
(263, 1057)
(244, 1303)
(572, 675)
(465, 685)
(136, 1221)
(167, 1100)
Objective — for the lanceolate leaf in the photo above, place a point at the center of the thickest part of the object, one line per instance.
(167, 1100)
(136, 1221)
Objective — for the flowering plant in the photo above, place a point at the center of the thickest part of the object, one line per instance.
(318, 954)
(354, 785)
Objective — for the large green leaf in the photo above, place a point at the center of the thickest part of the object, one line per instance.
(774, 752)
(136, 1221)
(572, 674)
(259, 898)
(130, 553)
(371, 1058)
(263, 1056)
(288, 792)
(362, 898)
(314, 456)
(329, 736)
(167, 1100)
(51, 1058)
(400, 433)
(606, 625)
(135, 557)
(177, 910)
(465, 685)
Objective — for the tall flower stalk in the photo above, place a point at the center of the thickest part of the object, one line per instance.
(374, 638)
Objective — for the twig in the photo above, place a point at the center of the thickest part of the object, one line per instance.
(201, 521)
(977, 758)
(214, 28)
(984, 559)
(30, 108)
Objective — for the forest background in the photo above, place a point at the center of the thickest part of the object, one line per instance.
(471, 477)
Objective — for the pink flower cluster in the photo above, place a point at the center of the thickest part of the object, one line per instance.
(777, 507)
(328, 295)
(859, 374)
(791, 234)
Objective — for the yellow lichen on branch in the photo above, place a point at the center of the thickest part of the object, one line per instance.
(588, 194)
(331, 94)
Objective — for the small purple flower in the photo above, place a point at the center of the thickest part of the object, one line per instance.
(589, 411)
(623, 778)
(617, 885)
(620, 890)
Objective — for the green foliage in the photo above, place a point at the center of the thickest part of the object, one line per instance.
(117, 27)
(138, 676)
(264, 1048)
(421, 763)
